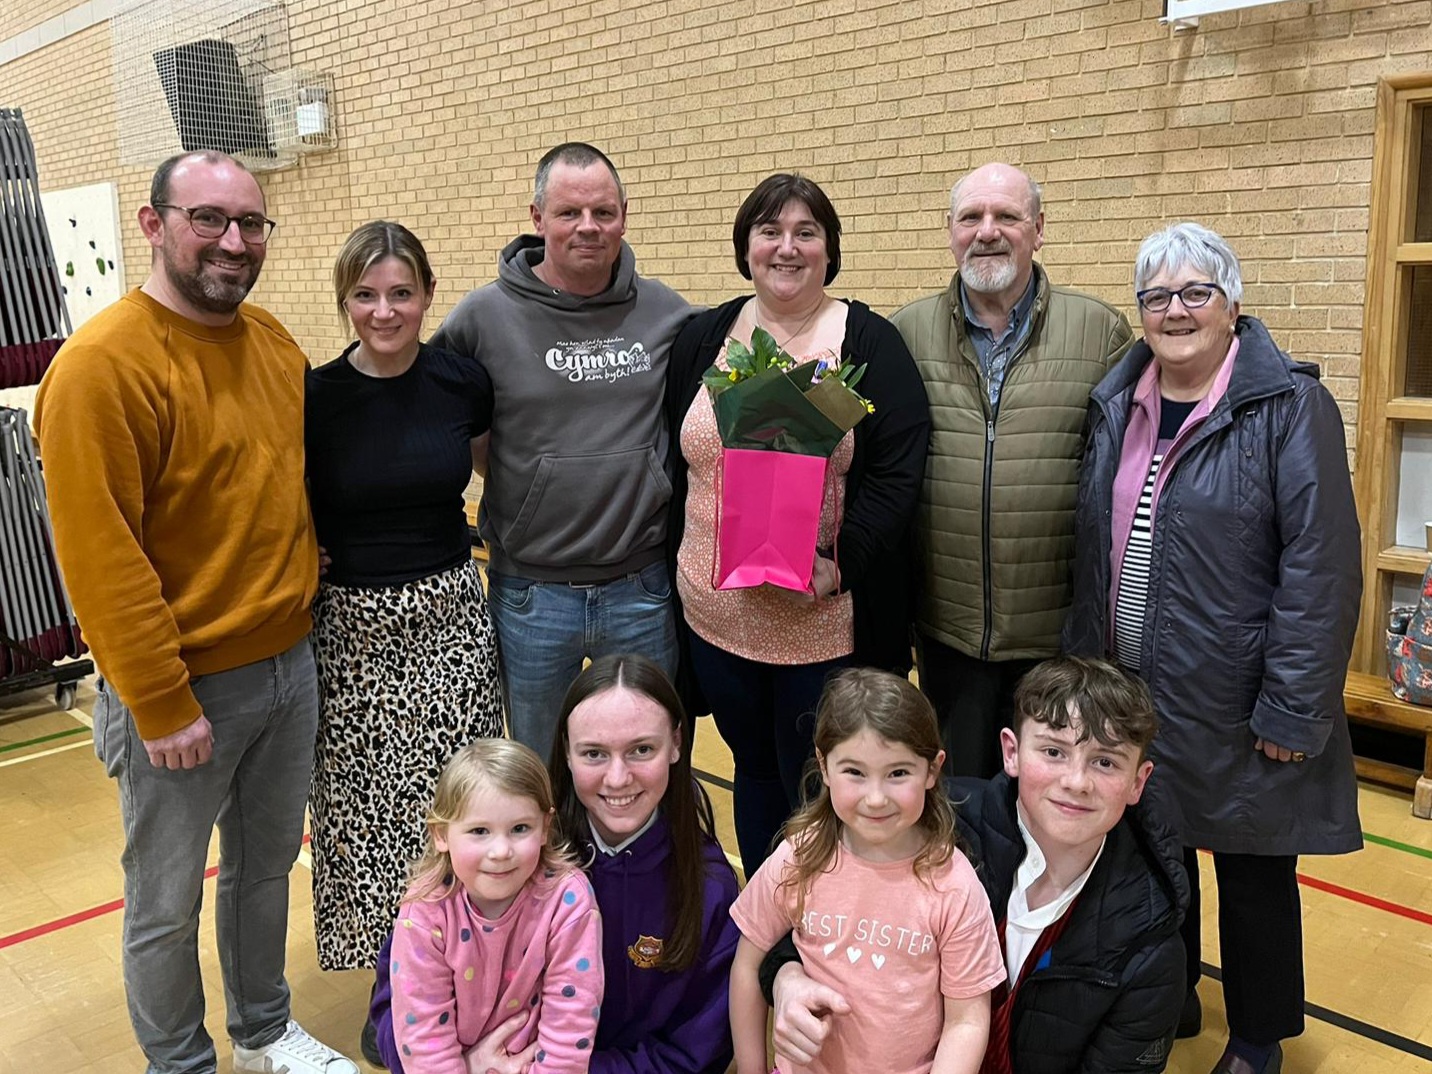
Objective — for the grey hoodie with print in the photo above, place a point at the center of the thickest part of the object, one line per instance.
(576, 489)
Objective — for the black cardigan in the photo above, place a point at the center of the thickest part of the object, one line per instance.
(875, 546)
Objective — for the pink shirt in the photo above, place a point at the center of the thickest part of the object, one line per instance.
(759, 623)
(458, 975)
(890, 943)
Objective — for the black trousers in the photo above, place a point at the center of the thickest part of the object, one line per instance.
(973, 699)
(766, 714)
(1260, 942)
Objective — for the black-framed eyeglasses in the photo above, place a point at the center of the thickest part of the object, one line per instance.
(211, 223)
(1192, 295)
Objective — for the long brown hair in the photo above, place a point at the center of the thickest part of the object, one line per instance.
(505, 766)
(856, 700)
(685, 805)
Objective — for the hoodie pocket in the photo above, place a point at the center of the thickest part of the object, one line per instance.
(591, 509)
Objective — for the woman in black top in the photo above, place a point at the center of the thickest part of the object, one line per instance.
(757, 658)
(407, 660)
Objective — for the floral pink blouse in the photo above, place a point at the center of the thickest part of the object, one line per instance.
(762, 623)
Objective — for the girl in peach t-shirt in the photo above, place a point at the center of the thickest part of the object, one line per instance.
(884, 907)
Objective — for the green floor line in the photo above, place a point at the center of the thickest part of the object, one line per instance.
(58, 734)
(1408, 848)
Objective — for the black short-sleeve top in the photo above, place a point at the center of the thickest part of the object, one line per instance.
(388, 460)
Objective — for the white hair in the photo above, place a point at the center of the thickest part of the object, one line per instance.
(1190, 245)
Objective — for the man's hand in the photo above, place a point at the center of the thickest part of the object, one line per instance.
(804, 1012)
(489, 1055)
(187, 747)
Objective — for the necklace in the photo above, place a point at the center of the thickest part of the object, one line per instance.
(756, 320)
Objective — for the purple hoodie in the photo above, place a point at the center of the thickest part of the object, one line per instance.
(652, 1022)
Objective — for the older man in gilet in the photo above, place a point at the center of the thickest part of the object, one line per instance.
(1008, 361)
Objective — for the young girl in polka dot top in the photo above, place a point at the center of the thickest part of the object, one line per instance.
(497, 919)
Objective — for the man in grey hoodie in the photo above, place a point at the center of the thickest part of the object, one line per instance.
(575, 491)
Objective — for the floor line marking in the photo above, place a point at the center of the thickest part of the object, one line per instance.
(1406, 848)
(67, 733)
(1348, 1023)
(1367, 900)
(712, 778)
(43, 753)
(99, 911)
(1353, 895)
(76, 918)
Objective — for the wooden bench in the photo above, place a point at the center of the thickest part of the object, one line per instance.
(1369, 699)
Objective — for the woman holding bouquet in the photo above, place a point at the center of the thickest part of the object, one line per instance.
(758, 658)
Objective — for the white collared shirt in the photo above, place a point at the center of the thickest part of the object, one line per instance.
(1023, 926)
(612, 852)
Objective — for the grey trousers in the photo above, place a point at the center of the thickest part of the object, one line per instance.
(264, 718)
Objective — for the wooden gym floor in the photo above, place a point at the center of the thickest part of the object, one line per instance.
(1368, 924)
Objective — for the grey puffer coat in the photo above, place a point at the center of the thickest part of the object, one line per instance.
(1253, 595)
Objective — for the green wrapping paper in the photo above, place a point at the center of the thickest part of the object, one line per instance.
(776, 408)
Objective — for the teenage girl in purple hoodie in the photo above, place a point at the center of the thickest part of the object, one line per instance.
(626, 798)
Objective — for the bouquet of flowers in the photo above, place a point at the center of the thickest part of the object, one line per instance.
(779, 422)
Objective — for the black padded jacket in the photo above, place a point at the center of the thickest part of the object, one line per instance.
(1107, 999)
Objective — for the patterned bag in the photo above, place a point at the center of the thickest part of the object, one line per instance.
(1409, 648)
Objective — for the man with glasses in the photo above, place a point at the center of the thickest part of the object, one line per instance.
(171, 426)
(1008, 361)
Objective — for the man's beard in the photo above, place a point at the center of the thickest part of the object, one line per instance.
(206, 291)
(986, 275)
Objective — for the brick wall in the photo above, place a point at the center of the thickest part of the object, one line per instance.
(1258, 123)
(17, 16)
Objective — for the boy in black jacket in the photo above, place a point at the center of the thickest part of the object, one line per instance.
(1087, 887)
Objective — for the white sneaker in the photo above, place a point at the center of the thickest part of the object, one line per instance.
(293, 1053)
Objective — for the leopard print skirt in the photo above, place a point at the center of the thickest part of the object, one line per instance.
(407, 676)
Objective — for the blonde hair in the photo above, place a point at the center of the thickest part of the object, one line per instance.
(864, 699)
(371, 243)
(493, 763)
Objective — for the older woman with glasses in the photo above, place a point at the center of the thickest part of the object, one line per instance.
(1217, 558)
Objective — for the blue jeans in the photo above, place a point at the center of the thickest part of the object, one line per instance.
(546, 629)
(264, 718)
(766, 714)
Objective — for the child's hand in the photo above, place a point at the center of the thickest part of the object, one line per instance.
(804, 1011)
(490, 1056)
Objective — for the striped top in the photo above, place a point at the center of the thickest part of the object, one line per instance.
(1132, 605)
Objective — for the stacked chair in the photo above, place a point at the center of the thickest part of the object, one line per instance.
(38, 632)
(37, 624)
(33, 318)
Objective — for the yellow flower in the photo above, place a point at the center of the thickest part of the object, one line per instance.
(869, 407)
(733, 376)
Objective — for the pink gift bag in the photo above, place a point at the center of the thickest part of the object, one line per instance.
(768, 518)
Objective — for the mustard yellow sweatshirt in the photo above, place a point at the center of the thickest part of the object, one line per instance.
(173, 458)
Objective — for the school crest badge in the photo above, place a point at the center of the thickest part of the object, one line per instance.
(646, 952)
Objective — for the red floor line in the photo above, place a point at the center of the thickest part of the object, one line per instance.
(75, 919)
(83, 916)
(1313, 882)
(1366, 900)
(1360, 897)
